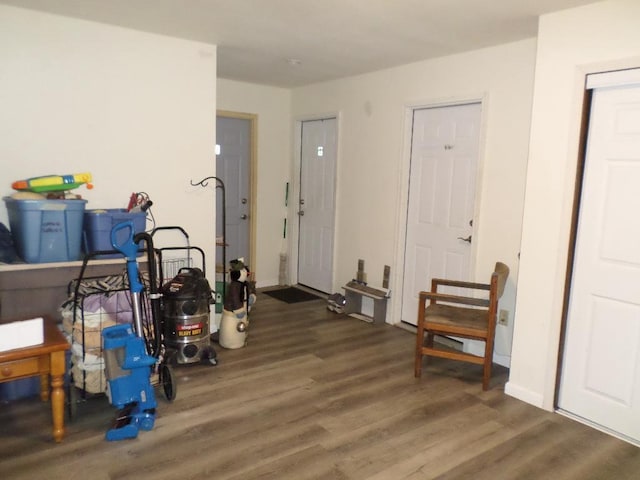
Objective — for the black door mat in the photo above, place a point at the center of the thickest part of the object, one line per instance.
(292, 295)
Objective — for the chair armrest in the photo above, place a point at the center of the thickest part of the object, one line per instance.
(444, 297)
(457, 283)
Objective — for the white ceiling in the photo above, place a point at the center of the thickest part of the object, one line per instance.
(331, 38)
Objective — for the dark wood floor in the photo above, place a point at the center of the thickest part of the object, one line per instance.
(317, 395)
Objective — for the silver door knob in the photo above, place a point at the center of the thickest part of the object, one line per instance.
(468, 239)
(243, 216)
(301, 213)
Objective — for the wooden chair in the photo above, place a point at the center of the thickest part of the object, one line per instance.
(459, 316)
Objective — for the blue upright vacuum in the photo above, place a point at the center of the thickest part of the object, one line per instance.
(132, 352)
(128, 370)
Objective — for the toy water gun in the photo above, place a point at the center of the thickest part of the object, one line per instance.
(53, 183)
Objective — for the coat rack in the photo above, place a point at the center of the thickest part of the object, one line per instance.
(219, 184)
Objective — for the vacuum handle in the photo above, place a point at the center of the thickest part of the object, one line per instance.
(129, 248)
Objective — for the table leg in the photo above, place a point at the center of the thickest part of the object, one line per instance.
(57, 394)
(44, 387)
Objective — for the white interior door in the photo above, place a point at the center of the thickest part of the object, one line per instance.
(600, 379)
(233, 135)
(444, 157)
(316, 209)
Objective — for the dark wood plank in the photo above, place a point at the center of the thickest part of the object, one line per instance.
(320, 396)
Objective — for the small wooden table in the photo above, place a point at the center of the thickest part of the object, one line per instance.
(46, 359)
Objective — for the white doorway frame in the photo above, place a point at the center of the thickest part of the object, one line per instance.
(403, 193)
(293, 226)
(253, 179)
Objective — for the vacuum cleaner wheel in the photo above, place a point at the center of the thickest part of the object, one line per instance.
(209, 357)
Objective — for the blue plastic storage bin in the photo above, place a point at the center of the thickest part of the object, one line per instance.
(98, 225)
(46, 230)
(17, 389)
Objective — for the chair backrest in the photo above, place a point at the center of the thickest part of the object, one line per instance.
(502, 271)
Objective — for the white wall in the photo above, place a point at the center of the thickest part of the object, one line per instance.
(373, 159)
(134, 109)
(571, 43)
(273, 109)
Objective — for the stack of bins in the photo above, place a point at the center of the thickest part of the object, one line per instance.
(43, 231)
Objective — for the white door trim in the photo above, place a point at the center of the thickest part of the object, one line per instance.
(613, 78)
(402, 201)
(293, 229)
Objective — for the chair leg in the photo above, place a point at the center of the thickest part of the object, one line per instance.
(419, 338)
(488, 361)
(418, 357)
(430, 337)
(486, 377)
(426, 342)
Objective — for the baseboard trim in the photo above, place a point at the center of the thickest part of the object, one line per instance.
(266, 283)
(524, 394)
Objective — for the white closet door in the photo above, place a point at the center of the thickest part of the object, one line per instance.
(601, 366)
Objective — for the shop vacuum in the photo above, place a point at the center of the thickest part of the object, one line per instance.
(186, 301)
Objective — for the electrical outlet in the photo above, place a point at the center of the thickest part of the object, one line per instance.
(503, 317)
